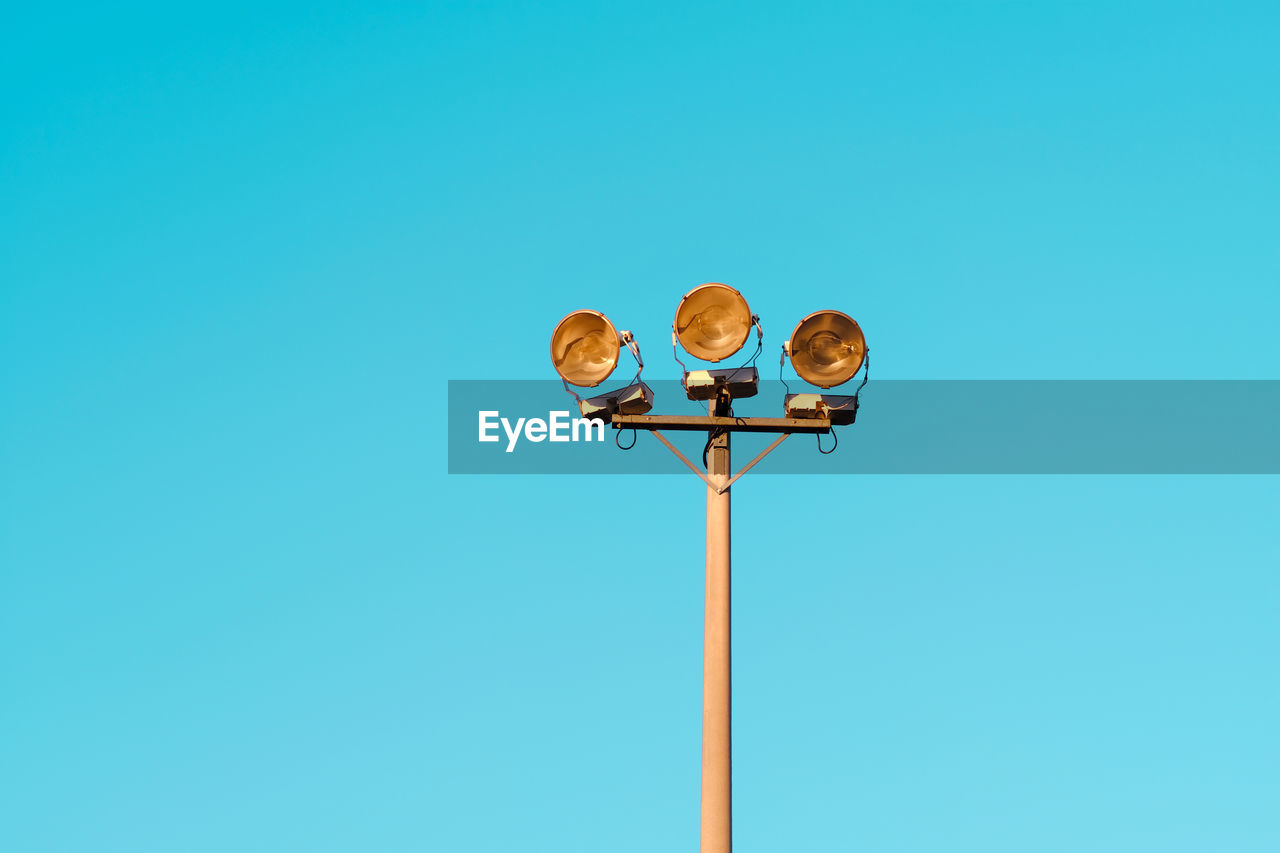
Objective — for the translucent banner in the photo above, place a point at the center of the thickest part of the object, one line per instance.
(902, 427)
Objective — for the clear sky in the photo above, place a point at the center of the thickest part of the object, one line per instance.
(242, 249)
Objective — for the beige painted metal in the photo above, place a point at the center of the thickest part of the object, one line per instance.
(703, 423)
(717, 762)
(717, 765)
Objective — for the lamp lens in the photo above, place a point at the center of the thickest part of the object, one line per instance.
(712, 321)
(584, 348)
(827, 348)
(590, 351)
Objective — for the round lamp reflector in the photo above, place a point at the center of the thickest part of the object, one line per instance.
(712, 321)
(584, 348)
(827, 348)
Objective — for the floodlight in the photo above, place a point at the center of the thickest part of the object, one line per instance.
(712, 321)
(827, 348)
(841, 411)
(584, 351)
(584, 348)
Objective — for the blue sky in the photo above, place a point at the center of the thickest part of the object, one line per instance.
(242, 249)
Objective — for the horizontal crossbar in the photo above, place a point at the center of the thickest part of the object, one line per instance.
(706, 423)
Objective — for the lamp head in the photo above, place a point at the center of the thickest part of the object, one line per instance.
(584, 348)
(827, 348)
(712, 321)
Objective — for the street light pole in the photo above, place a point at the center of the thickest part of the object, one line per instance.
(717, 779)
(712, 322)
(717, 783)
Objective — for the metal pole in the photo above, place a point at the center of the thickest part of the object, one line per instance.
(717, 823)
(717, 782)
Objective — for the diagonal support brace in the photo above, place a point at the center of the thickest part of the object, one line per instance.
(721, 490)
(719, 485)
(694, 468)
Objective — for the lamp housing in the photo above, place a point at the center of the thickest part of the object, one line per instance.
(840, 410)
(712, 321)
(635, 399)
(738, 382)
(827, 348)
(584, 348)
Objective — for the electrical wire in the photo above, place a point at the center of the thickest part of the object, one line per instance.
(835, 442)
(716, 432)
(706, 448)
(866, 372)
(751, 362)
